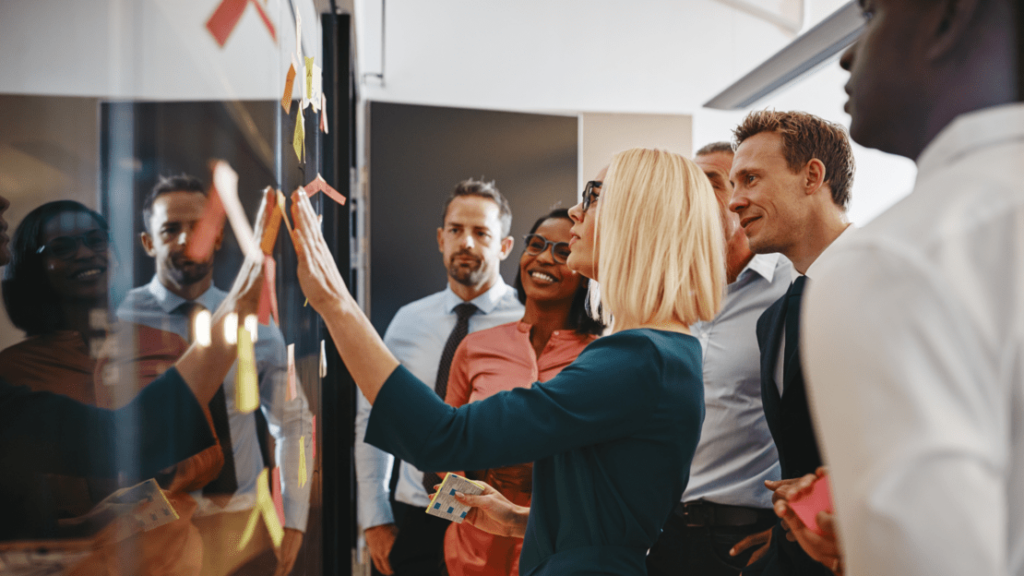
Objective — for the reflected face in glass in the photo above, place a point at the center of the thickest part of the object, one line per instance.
(170, 227)
(544, 278)
(5, 240)
(76, 257)
(471, 240)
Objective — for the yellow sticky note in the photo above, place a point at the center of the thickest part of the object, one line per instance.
(247, 398)
(302, 461)
(250, 529)
(309, 78)
(265, 508)
(299, 140)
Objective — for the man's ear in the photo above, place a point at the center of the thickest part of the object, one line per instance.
(440, 240)
(147, 244)
(506, 246)
(814, 176)
(946, 24)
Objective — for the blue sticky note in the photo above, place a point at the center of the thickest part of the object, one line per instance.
(452, 493)
(450, 509)
(437, 506)
(463, 514)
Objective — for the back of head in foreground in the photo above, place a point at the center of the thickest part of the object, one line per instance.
(659, 249)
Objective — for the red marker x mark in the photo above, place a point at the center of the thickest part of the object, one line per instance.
(227, 15)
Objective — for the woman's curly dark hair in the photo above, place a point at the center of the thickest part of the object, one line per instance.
(579, 318)
(30, 301)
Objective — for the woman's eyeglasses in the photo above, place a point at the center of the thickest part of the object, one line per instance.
(65, 247)
(590, 193)
(537, 244)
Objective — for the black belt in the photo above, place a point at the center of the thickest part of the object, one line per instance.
(702, 513)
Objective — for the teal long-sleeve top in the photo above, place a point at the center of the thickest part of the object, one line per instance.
(611, 438)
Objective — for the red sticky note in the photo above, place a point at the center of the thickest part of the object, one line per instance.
(268, 298)
(275, 492)
(318, 184)
(225, 18)
(204, 235)
(289, 86)
(313, 444)
(817, 500)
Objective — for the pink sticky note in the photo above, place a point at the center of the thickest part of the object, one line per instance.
(318, 184)
(268, 298)
(817, 500)
(292, 393)
(313, 444)
(275, 492)
(209, 226)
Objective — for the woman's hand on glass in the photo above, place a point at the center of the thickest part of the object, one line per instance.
(318, 274)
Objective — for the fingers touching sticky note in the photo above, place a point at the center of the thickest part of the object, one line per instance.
(247, 398)
(819, 499)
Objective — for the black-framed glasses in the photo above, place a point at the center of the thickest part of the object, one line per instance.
(65, 247)
(537, 244)
(590, 193)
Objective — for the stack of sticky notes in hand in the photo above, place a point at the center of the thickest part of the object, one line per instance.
(444, 504)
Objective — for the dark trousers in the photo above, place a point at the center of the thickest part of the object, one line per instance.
(683, 550)
(419, 547)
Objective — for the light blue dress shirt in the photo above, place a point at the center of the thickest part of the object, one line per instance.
(416, 336)
(289, 421)
(736, 453)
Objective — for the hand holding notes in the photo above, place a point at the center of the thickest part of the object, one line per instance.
(805, 506)
(493, 513)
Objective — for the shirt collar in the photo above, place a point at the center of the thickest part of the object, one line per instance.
(971, 131)
(169, 301)
(485, 302)
(763, 264)
(843, 237)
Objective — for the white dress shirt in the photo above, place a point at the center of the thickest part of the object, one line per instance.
(288, 421)
(416, 336)
(914, 353)
(736, 453)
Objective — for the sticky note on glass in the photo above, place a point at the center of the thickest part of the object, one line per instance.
(289, 87)
(299, 139)
(302, 461)
(318, 184)
(323, 113)
(819, 499)
(275, 492)
(309, 69)
(207, 229)
(444, 505)
(273, 223)
(268, 297)
(265, 509)
(292, 392)
(318, 79)
(247, 398)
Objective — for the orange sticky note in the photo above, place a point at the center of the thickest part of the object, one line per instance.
(275, 492)
(323, 113)
(268, 297)
(302, 461)
(819, 499)
(312, 442)
(292, 393)
(209, 226)
(273, 221)
(289, 87)
(318, 184)
(247, 398)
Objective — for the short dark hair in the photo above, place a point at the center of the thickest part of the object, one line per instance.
(30, 300)
(166, 185)
(715, 147)
(579, 319)
(804, 137)
(488, 190)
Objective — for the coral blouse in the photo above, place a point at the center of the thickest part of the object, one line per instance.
(487, 362)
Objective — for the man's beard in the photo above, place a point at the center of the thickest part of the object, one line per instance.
(466, 275)
(187, 273)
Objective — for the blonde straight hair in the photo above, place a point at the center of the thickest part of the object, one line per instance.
(661, 255)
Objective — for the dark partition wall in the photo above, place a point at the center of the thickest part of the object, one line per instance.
(417, 156)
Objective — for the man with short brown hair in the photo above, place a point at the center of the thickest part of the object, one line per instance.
(792, 175)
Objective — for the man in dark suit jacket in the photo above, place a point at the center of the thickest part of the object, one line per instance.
(792, 174)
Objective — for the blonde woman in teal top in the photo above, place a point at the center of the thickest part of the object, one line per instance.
(612, 436)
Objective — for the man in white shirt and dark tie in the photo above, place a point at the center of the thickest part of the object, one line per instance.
(474, 239)
(914, 330)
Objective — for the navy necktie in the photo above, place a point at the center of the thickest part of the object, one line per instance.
(792, 325)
